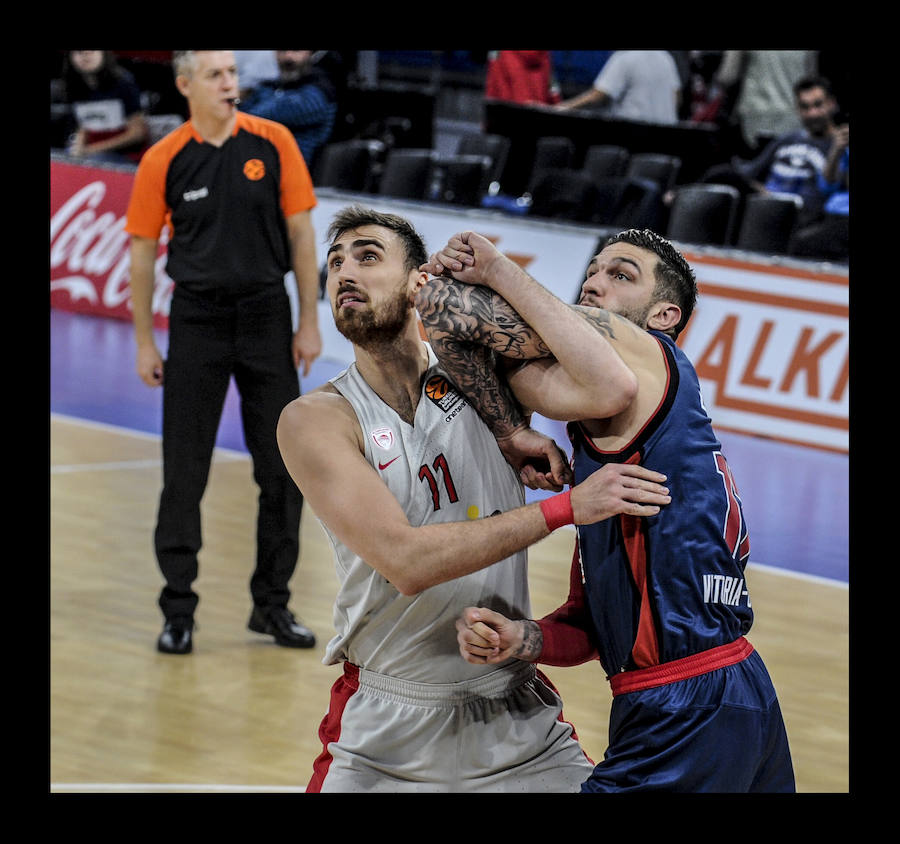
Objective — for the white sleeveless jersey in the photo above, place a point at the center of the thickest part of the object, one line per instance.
(446, 467)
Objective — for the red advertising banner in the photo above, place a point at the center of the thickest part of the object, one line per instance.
(89, 247)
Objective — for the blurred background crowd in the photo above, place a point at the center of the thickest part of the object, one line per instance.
(739, 149)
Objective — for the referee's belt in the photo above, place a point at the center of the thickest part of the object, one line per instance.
(680, 669)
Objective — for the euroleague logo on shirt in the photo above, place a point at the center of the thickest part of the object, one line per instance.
(254, 169)
(442, 393)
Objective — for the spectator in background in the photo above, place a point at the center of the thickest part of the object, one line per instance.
(760, 84)
(303, 98)
(521, 76)
(829, 236)
(105, 102)
(254, 66)
(635, 85)
(793, 162)
(705, 96)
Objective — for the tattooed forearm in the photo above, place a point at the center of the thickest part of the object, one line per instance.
(467, 327)
(511, 336)
(471, 368)
(532, 642)
(476, 314)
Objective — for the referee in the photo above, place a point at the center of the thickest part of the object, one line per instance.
(235, 195)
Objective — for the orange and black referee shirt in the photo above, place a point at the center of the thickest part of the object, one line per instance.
(225, 206)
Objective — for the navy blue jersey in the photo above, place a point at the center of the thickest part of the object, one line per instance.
(671, 585)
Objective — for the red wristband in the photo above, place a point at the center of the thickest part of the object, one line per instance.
(557, 510)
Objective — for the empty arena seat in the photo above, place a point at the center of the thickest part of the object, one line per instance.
(704, 214)
(408, 173)
(767, 222)
(348, 165)
(463, 179)
(659, 168)
(603, 161)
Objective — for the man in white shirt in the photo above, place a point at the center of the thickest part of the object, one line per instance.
(634, 85)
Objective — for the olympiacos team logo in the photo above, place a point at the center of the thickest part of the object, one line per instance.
(383, 438)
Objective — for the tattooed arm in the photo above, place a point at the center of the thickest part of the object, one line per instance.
(468, 328)
(463, 329)
(575, 369)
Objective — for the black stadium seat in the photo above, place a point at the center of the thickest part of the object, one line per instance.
(767, 222)
(704, 214)
(464, 179)
(348, 165)
(408, 173)
(630, 203)
(604, 161)
(560, 192)
(550, 153)
(659, 168)
(495, 147)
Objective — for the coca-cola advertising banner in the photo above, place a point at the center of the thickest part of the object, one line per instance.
(89, 257)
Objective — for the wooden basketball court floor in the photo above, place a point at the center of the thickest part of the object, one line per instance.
(241, 714)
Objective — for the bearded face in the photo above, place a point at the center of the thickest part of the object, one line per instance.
(292, 63)
(366, 326)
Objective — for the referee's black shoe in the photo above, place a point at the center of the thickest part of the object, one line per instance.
(280, 623)
(176, 637)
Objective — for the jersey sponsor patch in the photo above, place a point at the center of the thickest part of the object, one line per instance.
(192, 195)
(440, 391)
(723, 589)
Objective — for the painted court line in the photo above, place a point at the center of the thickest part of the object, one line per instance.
(799, 575)
(219, 452)
(115, 466)
(120, 787)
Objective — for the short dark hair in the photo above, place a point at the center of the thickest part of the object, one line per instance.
(354, 216)
(807, 83)
(675, 280)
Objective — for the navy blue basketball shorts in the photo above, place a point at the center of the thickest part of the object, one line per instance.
(676, 730)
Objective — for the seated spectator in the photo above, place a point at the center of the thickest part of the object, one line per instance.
(793, 162)
(829, 236)
(303, 98)
(521, 76)
(105, 102)
(635, 85)
(762, 84)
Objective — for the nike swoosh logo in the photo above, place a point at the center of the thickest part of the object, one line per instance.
(385, 465)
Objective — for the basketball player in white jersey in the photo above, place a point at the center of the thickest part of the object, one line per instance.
(426, 517)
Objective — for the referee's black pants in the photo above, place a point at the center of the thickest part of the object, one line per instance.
(211, 339)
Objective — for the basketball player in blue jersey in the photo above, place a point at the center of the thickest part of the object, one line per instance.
(426, 517)
(662, 601)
